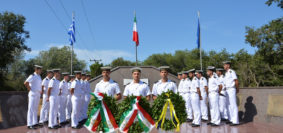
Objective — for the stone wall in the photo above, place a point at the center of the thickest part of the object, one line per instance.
(263, 104)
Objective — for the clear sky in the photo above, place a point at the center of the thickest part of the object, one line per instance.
(163, 25)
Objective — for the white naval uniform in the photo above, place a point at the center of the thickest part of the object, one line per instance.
(137, 89)
(223, 99)
(195, 101)
(203, 105)
(87, 98)
(45, 105)
(184, 91)
(213, 95)
(110, 88)
(82, 100)
(63, 101)
(76, 100)
(69, 102)
(229, 78)
(33, 97)
(53, 101)
(159, 87)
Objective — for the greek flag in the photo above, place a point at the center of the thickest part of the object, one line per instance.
(71, 32)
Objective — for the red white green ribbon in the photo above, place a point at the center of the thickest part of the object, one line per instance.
(143, 118)
(101, 113)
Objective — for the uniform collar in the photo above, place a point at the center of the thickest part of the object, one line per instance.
(110, 81)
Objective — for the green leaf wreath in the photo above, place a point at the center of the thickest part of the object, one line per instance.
(178, 103)
(126, 105)
(110, 102)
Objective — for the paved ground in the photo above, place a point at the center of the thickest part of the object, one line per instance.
(252, 127)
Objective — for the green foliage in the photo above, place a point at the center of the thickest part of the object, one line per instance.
(121, 62)
(278, 2)
(95, 69)
(110, 102)
(268, 58)
(126, 105)
(179, 106)
(12, 40)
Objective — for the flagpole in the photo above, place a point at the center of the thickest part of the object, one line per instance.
(200, 55)
(72, 47)
(136, 55)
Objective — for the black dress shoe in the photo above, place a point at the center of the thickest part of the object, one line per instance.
(232, 124)
(57, 126)
(53, 127)
(195, 125)
(189, 120)
(31, 127)
(209, 123)
(46, 122)
(40, 125)
(214, 125)
(76, 127)
(228, 122)
(204, 120)
(224, 120)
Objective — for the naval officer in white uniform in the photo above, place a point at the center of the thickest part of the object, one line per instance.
(164, 84)
(33, 84)
(137, 87)
(107, 85)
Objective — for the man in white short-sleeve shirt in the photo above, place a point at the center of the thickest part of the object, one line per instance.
(203, 88)
(45, 105)
(107, 85)
(33, 84)
(195, 98)
(222, 96)
(64, 90)
(53, 99)
(164, 84)
(232, 88)
(214, 88)
(137, 87)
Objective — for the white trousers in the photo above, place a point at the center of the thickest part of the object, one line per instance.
(187, 99)
(75, 110)
(232, 105)
(44, 109)
(69, 106)
(203, 107)
(33, 103)
(81, 108)
(53, 110)
(86, 103)
(223, 105)
(62, 108)
(196, 108)
(214, 108)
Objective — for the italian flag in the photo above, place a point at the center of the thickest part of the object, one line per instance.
(135, 32)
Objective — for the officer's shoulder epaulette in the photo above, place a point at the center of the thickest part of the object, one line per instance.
(202, 78)
(114, 81)
(173, 81)
(63, 81)
(53, 79)
(144, 82)
(156, 81)
(128, 83)
(195, 78)
(215, 76)
(46, 78)
(32, 74)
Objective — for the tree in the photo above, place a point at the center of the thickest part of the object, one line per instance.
(268, 40)
(12, 39)
(95, 69)
(121, 62)
(278, 2)
(57, 58)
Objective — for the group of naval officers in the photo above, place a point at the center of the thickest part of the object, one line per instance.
(67, 101)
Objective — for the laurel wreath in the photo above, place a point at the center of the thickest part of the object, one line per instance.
(126, 105)
(179, 106)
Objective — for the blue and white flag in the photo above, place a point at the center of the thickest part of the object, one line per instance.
(198, 33)
(71, 32)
